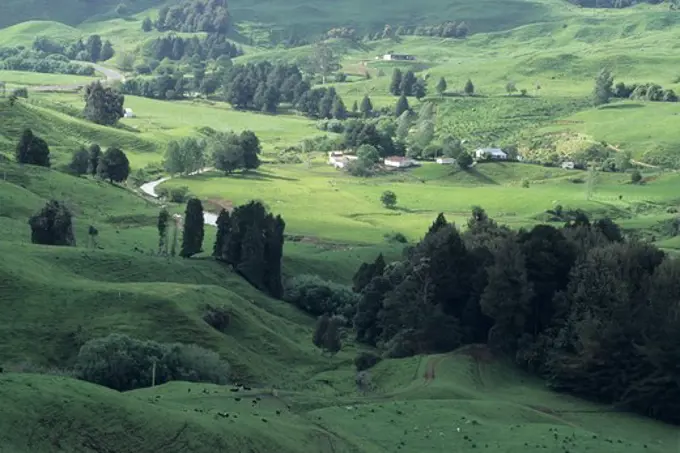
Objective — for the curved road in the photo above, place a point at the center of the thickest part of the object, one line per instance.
(110, 75)
(150, 189)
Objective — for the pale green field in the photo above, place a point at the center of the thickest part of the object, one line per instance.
(35, 78)
(322, 202)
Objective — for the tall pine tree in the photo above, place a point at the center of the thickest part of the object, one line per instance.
(192, 237)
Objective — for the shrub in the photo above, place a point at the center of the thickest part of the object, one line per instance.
(179, 194)
(636, 177)
(20, 93)
(318, 296)
(396, 237)
(366, 360)
(525, 183)
(217, 317)
(124, 363)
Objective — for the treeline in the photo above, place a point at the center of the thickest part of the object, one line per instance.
(17, 59)
(593, 314)
(611, 3)
(165, 87)
(644, 92)
(210, 48)
(448, 29)
(93, 49)
(192, 16)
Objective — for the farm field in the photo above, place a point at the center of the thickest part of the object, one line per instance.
(322, 203)
(292, 397)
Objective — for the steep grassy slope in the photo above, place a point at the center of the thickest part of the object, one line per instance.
(70, 12)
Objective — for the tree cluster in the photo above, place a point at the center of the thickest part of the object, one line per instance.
(15, 59)
(262, 86)
(251, 240)
(210, 48)
(92, 49)
(407, 84)
(103, 105)
(644, 92)
(185, 156)
(53, 225)
(164, 87)
(32, 150)
(369, 132)
(322, 103)
(138, 362)
(593, 314)
(448, 29)
(191, 16)
(231, 152)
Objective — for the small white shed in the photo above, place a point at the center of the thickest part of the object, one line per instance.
(128, 113)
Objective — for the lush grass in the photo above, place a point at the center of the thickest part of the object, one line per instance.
(35, 78)
(320, 202)
(470, 406)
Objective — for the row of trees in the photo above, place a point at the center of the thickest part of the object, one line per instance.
(605, 89)
(93, 49)
(210, 48)
(593, 314)
(165, 87)
(192, 16)
(15, 59)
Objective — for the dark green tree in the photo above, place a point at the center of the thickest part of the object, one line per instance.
(636, 176)
(464, 160)
(441, 86)
(32, 150)
(366, 108)
(331, 341)
(419, 89)
(223, 231)
(80, 162)
(194, 229)
(114, 165)
(339, 111)
(603, 90)
(103, 105)
(107, 51)
(94, 47)
(147, 25)
(366, 272)
(469, 88)
(251, 149)
(408, 83)
(395, 84)
(162, 225)
(402, 106)
(389, 199)
(52, 225)
(95, 154)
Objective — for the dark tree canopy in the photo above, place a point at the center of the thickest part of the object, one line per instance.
(114, 165)
(52, 225)
(103, 105)
(592, 313)
(80, 161)
(194, 230)
(195, 16)
(32, 150)
(252, 242)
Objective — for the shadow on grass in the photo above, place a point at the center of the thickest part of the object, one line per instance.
(250, 175)
(621, 106)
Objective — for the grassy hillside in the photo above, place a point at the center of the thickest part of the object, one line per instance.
(472, 404)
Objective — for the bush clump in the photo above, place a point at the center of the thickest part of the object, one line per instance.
(318, 296)
(124, 363)
(217, 317)
(366, 360)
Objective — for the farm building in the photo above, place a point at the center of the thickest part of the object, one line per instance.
(339, 160)
(446, 160)
(398, 57)
(128, 113)
(491, 153)
(399, 162)
(568, 165)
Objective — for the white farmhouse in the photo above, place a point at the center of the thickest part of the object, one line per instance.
(399, 162)
(490, 153)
